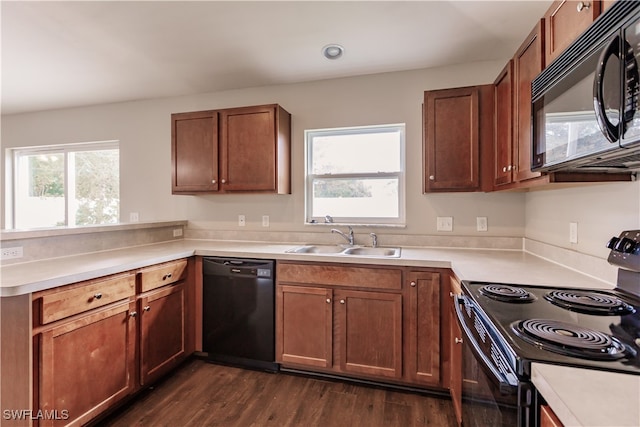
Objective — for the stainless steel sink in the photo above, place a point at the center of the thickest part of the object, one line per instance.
(346, 251)
(316, 249)
(382, 252)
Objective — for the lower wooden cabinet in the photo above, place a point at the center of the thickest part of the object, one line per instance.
(96, 356)
(423, 332)
(455, 350)
(304, 324)
(370, 332)
(162, 331)
(331, 319)
(86, 364)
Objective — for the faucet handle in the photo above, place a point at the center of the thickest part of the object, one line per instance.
(374, 240)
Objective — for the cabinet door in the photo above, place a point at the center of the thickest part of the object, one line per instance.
(503, 126)
(565, 20)
(369, 333)
(249, 149)
(455, 377)
(194, 152)
(162, 330)
(451, 140)
(528, 63)
(423, 363)
(304, 326)
(86, 365)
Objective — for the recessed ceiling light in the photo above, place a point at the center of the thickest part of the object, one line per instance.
(332, 51)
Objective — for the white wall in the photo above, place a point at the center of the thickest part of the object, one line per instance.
(601, 211)
(143, 129)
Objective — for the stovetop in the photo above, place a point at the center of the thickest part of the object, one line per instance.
(610, 337)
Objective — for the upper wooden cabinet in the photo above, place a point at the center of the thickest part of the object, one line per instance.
(457, 126)
(503, 147)
(528, 62)
(232, 150)
(565, 20)
(513, 111)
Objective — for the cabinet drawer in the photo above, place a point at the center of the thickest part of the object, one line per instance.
(366, 277)
(162, 274)
(85, 296)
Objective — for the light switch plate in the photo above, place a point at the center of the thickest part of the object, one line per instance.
(265, 220)
(481, 223)
(241, 221)
(444, 223)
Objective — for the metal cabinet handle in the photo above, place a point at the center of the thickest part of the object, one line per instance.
(413, 283)
(133, 314)
(583, 5)
(213, 181)
(223, 181)
(457, 340)
(146, 308)
(432, 178)
(504, 169)
(451, 294)
(98, 295)
(341, 301)
(328, 300)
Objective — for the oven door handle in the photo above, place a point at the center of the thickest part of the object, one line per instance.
(503, 384)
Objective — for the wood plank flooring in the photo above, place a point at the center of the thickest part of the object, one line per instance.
(205, 394)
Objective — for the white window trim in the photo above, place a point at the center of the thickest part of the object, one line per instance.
(401, 175)
(12, 155)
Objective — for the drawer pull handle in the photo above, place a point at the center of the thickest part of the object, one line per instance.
(133, 314)
(146, 308)
(98, 295)
(341, 301)
(413, 284)
(458, 340)
(328, 300)
(166, 276)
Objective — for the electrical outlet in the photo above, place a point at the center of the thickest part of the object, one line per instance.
(241, 221)
(177, 232)
(444, 223)
(573, 232)
(11, 253)
(265, 220)
(134, 217)
(481, 223)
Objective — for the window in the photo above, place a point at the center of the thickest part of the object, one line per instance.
(72, 184)
(355, 175)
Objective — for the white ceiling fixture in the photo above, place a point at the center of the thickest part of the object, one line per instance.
(332, 51)
(60, 54)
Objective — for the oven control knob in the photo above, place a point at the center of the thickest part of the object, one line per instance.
(612, 243)
(626, 246)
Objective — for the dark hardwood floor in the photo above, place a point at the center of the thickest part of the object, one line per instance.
(205, 394)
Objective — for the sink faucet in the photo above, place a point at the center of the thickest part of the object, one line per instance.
(374, 240)
(348, 238)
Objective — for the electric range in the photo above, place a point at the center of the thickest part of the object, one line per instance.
(507, 327)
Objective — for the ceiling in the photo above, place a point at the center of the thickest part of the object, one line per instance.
(69, 54)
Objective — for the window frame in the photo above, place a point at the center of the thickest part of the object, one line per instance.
(400, 220)
(13, 172)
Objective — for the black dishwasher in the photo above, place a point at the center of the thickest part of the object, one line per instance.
(238, 323)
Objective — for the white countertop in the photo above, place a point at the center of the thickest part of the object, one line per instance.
(586, 397)
(574, 394)
(469, 264)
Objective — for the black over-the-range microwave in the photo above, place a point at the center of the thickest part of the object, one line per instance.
(586, 106)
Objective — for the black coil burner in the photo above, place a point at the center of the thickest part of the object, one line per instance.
(589, 302)
(506, 293)
(569, 339)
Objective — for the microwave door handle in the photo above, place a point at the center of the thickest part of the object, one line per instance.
(504, 385)
(631, 84)
(609, 130)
